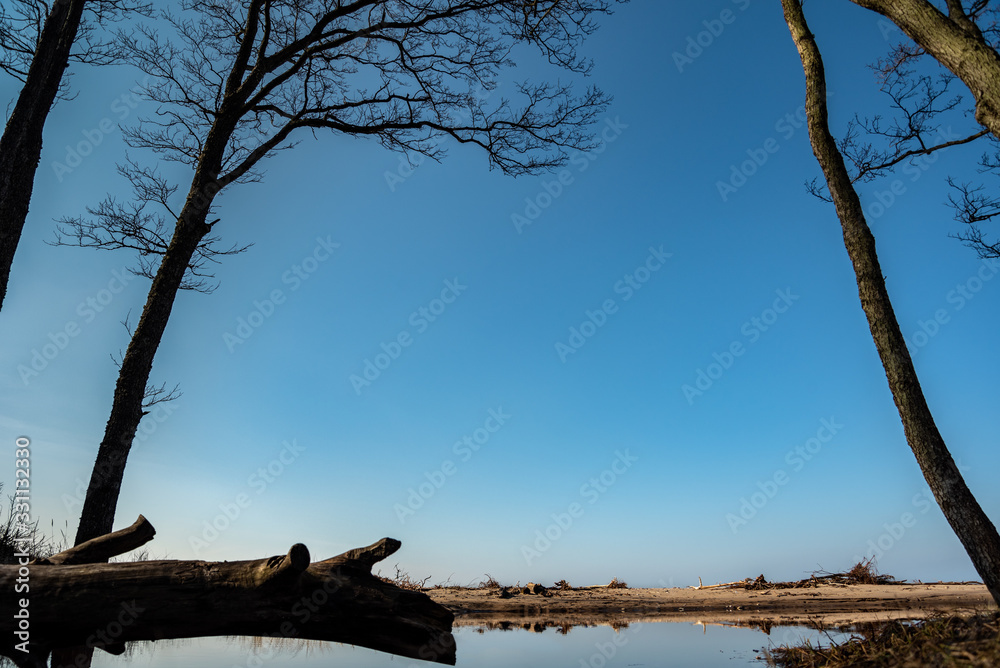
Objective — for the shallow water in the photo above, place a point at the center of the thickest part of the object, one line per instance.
(639, 644)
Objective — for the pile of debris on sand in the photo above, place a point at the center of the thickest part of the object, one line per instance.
(863, 573)
(535, 589)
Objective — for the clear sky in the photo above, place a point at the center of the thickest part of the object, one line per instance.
(527, 342)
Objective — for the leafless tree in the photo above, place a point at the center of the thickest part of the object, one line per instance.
(922, 101)
(37, 41)
(139, 225)
(955, 40)
(963, 39)
(241, 76)
(972, 526)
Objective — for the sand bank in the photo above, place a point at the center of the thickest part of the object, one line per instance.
(824, 604)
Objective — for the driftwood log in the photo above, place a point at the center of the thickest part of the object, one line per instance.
(101, 605)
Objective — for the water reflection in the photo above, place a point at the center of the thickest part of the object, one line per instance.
(498, 643)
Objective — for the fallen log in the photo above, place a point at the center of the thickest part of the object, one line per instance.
(100, 605)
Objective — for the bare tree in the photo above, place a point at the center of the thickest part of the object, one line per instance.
(243, 75)
(919, 88)
(956, 41)
(36, 44)
(972, 526)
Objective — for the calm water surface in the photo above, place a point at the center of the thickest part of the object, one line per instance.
(639, 644)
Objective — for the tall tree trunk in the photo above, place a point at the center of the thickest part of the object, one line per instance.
(974, 529)
(98, 512)
(21, 144)
(955, 42)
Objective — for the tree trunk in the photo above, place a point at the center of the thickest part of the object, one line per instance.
(339, 600)
(974, 529)
(956, 44)
(21, 144)
(98, 512)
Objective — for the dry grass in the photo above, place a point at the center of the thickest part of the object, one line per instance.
(15, 537)
(403, 580)
(139, 554)
(950, 641)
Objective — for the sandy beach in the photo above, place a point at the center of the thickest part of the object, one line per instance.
(823, 604)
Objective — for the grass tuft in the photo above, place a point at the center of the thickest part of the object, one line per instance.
(934, 643)
(15, 537)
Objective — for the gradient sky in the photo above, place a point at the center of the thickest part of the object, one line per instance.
(483, 433)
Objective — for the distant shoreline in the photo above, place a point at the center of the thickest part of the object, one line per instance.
(826, 604)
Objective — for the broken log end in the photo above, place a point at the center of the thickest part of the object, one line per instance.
(104, 547)
(366, 557)
(285, 567)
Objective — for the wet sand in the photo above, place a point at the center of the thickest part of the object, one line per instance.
(824, 604)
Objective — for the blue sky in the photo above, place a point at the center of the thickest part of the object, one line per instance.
(482, 443)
